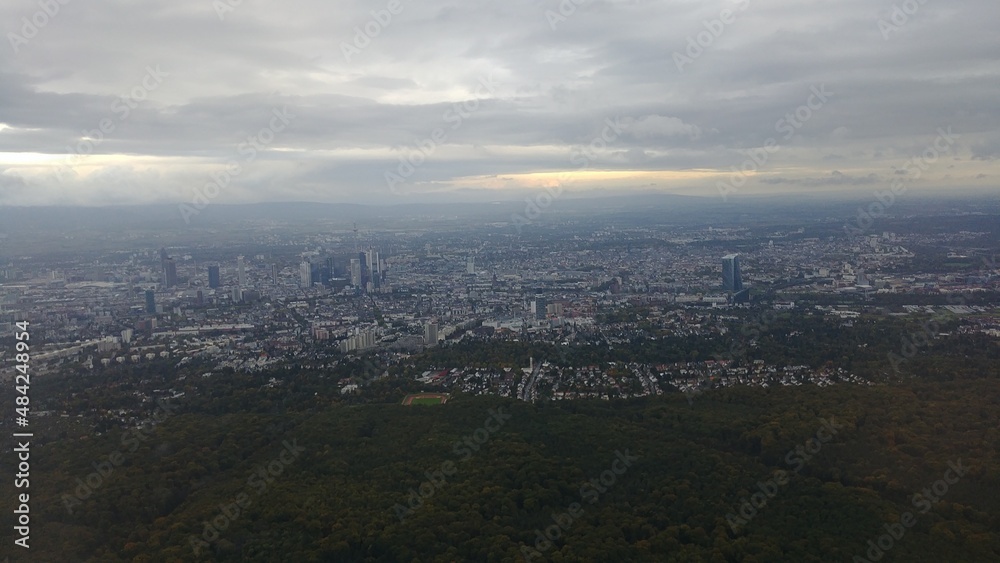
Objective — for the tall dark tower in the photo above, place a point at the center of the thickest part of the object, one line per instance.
(170, 272)
(214, 279)
(365, 272)
(732, 280)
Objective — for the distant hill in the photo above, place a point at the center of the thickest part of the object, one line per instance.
(737, 209)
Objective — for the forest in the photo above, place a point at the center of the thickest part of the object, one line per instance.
(490, 479)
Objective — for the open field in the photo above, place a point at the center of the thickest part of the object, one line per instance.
(426, 399)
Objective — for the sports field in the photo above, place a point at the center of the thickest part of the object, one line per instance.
(426, 399)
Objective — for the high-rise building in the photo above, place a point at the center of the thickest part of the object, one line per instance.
(170, 272)
(355, 272)
(241, 272)
(150, 301)
(329, 269)
(732, 280)
(214, 279)
(305, 274)
(540, 306)
(470, 265)
(163, 261)
(862, 279)
(274, 274)
(430, 334)
(374, 269)
(360, 340)
(364, 259)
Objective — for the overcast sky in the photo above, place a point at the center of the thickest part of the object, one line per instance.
(179, 87)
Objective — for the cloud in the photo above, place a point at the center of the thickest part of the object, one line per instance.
(553, 91)
(989, 149)
(654, 126)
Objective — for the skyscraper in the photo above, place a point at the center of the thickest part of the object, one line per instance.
(305, 274)
(732, 280)
(364, 261)
(540, 306)
(329, 269)
(430, 334)
(150, 301)
(355, 272)
(375, 270)
(241, 272)
(214, 279)
(170, 272)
